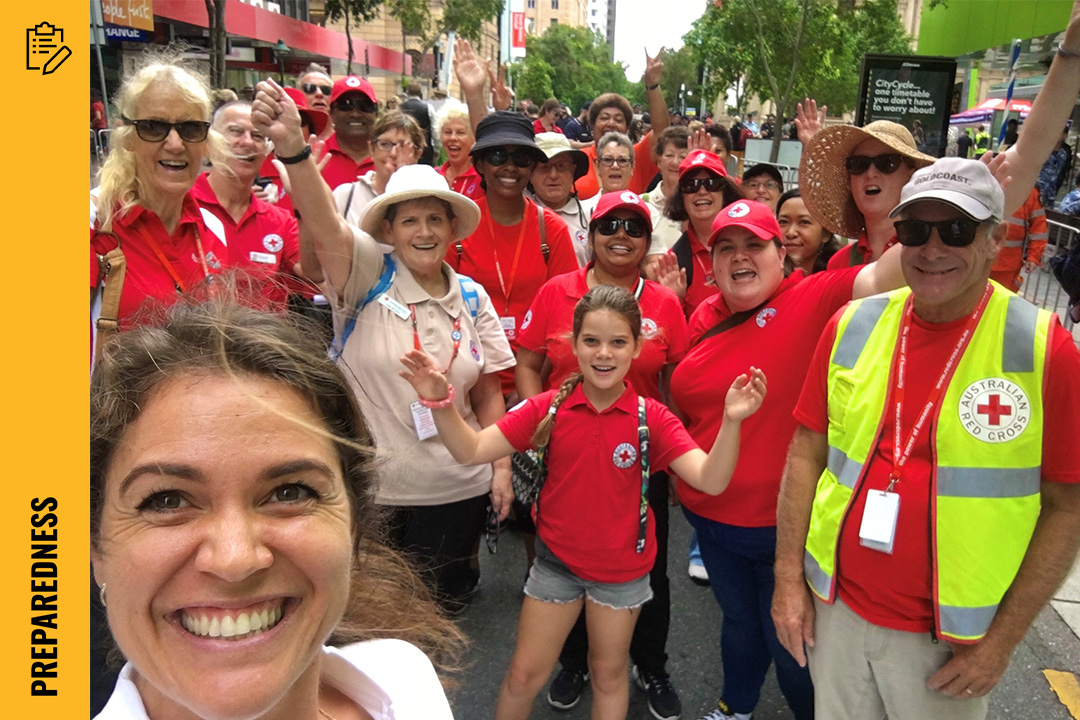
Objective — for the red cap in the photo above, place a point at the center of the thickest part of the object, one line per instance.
(752, 215)
(622, 200)
(352, 83)
(318, 118)
(702, 159)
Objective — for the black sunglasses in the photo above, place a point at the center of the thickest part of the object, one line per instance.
(491, 531)
(360, 102)
(310, 88)
(500, 156)
(610, 226)
(712, 183)
(887, 163)
(193, 131)
(954, 233)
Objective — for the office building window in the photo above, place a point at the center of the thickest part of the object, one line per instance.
(554, 21)
(532, 4)
(554, 4)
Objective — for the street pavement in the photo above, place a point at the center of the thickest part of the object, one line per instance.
(693, 647)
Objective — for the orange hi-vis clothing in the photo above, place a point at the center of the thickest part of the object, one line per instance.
(1024, 242)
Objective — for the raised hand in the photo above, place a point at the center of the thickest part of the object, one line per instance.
(809, 120)
(471, 74)
(670, 275)
(654, 67)
(502, 97)
(999, 166)
(421, 373)
(700, 140)
(274, 114)
(745, 395)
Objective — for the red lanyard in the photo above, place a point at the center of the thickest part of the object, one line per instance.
(506, 290)
(153, 243)
(706, 271)
(902, 451)
(455, 335)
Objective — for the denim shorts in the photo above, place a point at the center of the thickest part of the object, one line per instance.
(551, 581)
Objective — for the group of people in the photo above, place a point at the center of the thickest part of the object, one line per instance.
(296, 507)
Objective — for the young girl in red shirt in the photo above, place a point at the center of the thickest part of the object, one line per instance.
(590, 538)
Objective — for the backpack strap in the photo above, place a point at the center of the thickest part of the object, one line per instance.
(386, 279)
(685, 255)
(112, 266)
(469, 294)
(544, 249)
(643, 453)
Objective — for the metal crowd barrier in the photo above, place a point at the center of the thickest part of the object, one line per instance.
(1040, 287)
(789, 173)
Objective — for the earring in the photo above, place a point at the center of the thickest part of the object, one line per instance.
(101, 595)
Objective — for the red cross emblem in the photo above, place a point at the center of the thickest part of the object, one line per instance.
(994, 409)
(626, 456)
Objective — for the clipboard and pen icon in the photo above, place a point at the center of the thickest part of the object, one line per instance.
(45, 48)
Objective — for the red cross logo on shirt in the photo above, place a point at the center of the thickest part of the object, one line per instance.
(994, 409)
(626, 456)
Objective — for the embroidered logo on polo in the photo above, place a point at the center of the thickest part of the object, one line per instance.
(629, 197)
(624, 456)
(212, 260)
(764, 316)
(581, 237)
(474, 350)
(526, 320)
(738, 210)
(648, 328)
(273, 243)
(994, 410)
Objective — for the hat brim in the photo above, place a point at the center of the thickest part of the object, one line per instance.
(642, 211)
(967, 205)
(466, 211)
(318, 118)
(757, 231)
(581, 161)
(823, 179)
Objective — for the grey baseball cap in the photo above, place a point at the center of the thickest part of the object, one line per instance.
(967, 185)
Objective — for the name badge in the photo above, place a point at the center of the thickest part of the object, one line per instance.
(423, 421)
(395, 307)
(878, 528)
(509, 326)
(264, 258)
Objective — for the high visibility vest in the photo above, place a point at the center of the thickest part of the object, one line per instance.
(986, 436)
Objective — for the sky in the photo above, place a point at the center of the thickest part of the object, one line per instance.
(651, 24)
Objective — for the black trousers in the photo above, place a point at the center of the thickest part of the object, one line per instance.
(439, 539)
(648, 647)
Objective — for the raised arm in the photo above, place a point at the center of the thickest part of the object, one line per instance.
(654, 68)
(471, 75)
(880, 276)
(809, 121)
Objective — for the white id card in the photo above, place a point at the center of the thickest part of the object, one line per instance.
(264, 258)
(878, 528)
(395, 307)
(423, 421)
(509, 326)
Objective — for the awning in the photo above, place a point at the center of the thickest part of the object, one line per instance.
(984, 111)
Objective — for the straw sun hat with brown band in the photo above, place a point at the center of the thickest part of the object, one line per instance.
(823, 179)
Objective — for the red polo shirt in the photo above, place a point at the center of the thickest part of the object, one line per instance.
(467, 183)
(341, 168)
(265, 243)
(780, 340)
(701, 286)
(147, 275)
(538, 127)
(488, 257)
(548, 325)
(893, 590)
(644, 170)
(589, 507)
(842, 257)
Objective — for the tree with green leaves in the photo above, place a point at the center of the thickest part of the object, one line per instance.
(572, 64)
(354, 10)
(680, 68)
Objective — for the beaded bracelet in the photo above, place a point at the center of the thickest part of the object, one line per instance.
(439, 404)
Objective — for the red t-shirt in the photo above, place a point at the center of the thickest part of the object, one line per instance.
(467, 183)
(589, 506)
(146, 275)
(548, 326)
(341, 168)
(538, 127)
(701, 286)
(489, 260)
(98, 109)
(644, 170)
(842, 257)
(780, 341)
(265, 243)
(894, 590)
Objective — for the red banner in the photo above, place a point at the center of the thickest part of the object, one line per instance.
(517, 30)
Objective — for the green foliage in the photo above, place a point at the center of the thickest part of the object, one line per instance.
(358, 10)
(680, 67)
(414, 16)
(571, 64)
(467, 17)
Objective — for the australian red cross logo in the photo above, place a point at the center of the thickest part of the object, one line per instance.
(994, 410)
(738, 210)
(624, 456)
(648, 328)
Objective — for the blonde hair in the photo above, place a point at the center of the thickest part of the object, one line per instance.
(451, 110)
(120, 184)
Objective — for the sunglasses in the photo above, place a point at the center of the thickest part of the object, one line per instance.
(954, 233)
(491, 531)
(359, 102)
(609, 226)
(193, 131)
(310, 88)
(712, 183)
(499, 157)
(887, 163)
(389, 145)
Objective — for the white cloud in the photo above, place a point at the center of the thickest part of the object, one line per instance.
(652, 24)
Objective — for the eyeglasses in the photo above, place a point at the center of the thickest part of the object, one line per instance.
(758, 185)
(389, 145)
(491, 531)
(887, 163)
(236, 132)
(712, 183)
(609, 226)
(193, 131)
(616, 162)
(310, 88)
(500, 156)
(954, 233)
(348, 103)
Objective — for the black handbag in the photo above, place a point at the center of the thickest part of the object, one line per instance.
(528, 470)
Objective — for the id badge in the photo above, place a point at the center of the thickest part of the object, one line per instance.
(264, 258)
(878, 528)
(423, 421)
(509, 326)
(394, 306)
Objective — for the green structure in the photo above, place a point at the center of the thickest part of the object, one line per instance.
(960, 27)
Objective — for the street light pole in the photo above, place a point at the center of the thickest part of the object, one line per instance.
(279, 51)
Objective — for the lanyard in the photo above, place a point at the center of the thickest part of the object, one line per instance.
(706, 271)
(455, 335)
(507, 289)
(902, 451)
(177, 282)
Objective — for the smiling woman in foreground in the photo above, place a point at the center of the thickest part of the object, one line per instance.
(234, 533)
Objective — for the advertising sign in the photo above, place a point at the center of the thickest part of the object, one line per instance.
(129, 13)
(911, 90)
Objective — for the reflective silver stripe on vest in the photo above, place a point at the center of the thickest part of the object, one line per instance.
(858, 330)
(815, 575)
(1018, 348)
(966, 622)
(972, 482)
(844, 468)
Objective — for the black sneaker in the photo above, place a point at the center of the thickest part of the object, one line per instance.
(566, 688)
(664, 702)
